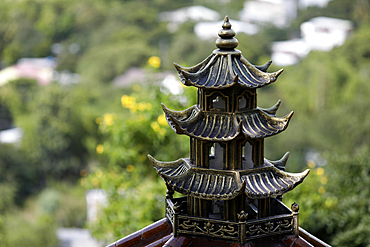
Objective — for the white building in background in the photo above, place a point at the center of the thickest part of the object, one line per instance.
(276, 12)
(209, 30)
(319, 33)
(192, 13)
(303, 4)
(324, 33)
(40, 69)
(285, 53)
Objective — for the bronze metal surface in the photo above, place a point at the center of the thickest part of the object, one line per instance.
(239, 231)
(230, 69)
(183, 177)
(225, 126)
(229, 185)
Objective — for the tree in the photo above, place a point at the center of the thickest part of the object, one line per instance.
(135, 193)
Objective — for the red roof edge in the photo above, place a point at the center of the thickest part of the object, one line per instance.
(152, 233)
(178, 242)
(160, 242)
(159, 234)
(292, 241)
(311, 238)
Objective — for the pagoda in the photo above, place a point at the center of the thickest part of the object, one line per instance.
(232, 191)
(232, 194)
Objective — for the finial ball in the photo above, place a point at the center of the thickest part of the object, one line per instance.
(295, 207)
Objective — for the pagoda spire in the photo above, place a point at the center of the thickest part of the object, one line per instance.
(226, 41)
(226, 67)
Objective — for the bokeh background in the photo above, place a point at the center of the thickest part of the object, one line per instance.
(81, 84)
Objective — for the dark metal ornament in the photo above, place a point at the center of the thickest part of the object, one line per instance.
(232, 193)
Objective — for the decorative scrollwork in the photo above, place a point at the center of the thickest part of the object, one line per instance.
(185, 225)
(209, 229)
(269, 228)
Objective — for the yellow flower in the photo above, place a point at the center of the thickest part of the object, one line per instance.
(130, 168)
(98, 120)
(95, 182)
(321, 190)
(99, 149)
(323, 180)
(154, 61)
(155, 126)
(127, 101)
(320, 171)
(141, 106)
(311, 164)
(108, 119)
(162, 120)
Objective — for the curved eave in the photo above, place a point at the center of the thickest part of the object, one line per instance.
(215, 126)
(223, 70)
(199, 182)
(175, 168)
(203, 125)
(257, 124)
(187, 115)
(270, 182)
(210, 184)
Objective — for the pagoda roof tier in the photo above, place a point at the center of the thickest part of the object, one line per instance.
(223, 69)
(211, 184)
(225, 126)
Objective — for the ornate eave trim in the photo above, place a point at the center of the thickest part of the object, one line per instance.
(211, 184)
(218, 126)
(174, 168)
(224, 69)
(199, 182)
(270, 181)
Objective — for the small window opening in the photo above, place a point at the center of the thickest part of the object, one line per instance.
(245, 101)
(247, 156)
(242, 103)
(217, 157)
(218, 103)
(217, 209)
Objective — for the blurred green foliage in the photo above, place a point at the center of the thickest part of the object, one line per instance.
(35, 225)
(14, 228)
(139, 129)
(99, 135)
